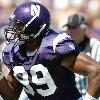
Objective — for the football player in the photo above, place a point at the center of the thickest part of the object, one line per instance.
(42, 61)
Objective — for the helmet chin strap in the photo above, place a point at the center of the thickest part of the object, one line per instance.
(19, 42)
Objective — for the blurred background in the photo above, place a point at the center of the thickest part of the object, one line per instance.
(59, 10)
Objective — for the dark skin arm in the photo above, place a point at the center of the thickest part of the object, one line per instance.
(10, 88)
(85, 65)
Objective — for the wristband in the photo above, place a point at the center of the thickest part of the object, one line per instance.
(1, 75)
(89, 97)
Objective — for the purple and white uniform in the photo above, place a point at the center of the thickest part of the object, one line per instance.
(40, 72)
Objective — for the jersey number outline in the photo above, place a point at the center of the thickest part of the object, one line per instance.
(22, 76)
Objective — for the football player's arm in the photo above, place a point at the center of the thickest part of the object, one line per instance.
(85, 65)
(10, 88)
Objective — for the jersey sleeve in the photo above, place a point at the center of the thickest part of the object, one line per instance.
(63, 44)
(7, 56)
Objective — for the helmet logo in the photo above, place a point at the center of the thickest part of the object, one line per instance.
(35, 11)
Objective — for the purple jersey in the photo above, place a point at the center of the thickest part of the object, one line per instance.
(40, 72)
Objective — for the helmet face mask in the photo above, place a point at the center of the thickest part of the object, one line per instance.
(28, 21)
(14, 30)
